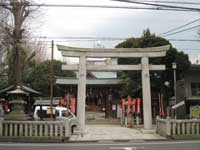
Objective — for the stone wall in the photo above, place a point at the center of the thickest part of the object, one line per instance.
(34, 131)
(177, 128)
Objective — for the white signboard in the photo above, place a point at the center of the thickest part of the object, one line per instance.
(178, 105)
(114, 107)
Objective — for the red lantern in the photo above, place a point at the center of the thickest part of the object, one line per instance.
(5, 106)
(123, 105)
(162, 109)
(134, 106)
(73, 105)
(67, 100)
(62, 102)
(138, 105)
(129, 106)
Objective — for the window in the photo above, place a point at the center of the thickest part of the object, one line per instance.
(57, 113)
(195, 87)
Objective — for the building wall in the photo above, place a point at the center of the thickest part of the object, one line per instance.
(191, 77)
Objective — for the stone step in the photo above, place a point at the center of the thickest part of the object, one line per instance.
(98, 121)
(95, 115)
(104, 121)
(99, 118)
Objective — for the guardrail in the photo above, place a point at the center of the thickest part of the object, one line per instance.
(175, 127)
(35, 129)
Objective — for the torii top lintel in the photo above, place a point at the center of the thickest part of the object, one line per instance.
(113, 52)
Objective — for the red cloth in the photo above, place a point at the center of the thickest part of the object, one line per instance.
(5, 106)
(134, 106)
(62, 101)
(73, 105)
(129, 106)
(67, 100)
(123, 105)
(138, 105)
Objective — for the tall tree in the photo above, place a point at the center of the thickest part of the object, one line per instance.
(3, 22)
(19, 11)
(157, 78)
(38, 76)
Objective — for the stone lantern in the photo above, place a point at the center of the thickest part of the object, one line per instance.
(17, 102)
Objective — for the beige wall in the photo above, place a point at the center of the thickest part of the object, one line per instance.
(192, 76)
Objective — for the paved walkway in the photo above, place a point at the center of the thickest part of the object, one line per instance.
(114, 132)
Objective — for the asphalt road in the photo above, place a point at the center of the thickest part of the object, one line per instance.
(164, 145)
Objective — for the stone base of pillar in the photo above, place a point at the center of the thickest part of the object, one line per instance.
(150, 131)
(80, 133)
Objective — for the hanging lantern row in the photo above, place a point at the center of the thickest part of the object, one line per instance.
(131, 106)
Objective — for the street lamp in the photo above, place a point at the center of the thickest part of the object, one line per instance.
(167, 85)
(174, 66)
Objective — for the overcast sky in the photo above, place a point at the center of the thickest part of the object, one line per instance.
(98, 22)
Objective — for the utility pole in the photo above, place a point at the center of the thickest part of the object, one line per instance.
(174, 66)
(52, 76)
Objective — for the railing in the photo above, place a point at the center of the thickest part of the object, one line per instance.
(175, 127)
(35, 129)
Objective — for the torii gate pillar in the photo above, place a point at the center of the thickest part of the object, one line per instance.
(81, 93)
(146, 92)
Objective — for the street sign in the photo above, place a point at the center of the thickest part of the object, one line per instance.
(178, 105)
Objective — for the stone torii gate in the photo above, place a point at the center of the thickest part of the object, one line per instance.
(82, 67)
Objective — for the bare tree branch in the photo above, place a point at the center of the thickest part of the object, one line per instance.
(19, 51)
(6, 7)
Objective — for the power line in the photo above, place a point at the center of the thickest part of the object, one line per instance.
(102, 6)
(172, 2)
(182, 30)
(88, 39)
(76, 39)
(93, 38)
(184, 40)
(81, 37)
(191, 22)
(189, 49)
(159, 5)
(180, 49)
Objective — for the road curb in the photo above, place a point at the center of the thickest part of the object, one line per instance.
(118, 140)
(84, 141)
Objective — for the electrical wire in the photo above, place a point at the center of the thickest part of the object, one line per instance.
(159, 5)
(189, 49)
(82, 38)
(184, 40)
(120, 39)
(92, 38)
(177, 28)
(172, 2)
(103, 6)
(187, 29)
